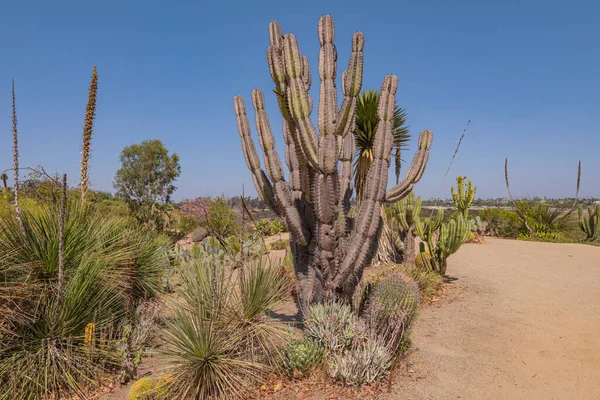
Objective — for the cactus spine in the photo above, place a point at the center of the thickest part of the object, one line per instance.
(463, 196)
(405, 214)
(590, 225)
(330, 249)
(451, 235)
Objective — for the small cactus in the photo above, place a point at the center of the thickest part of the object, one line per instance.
(463, 197)
(363, 364)
(404, 214)
(301, 355)
(451, 236)
(478, 225)
(590, 225)
(391, 309)
(142, 389)
(331, 324)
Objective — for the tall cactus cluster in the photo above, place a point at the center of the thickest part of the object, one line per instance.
(463, 195)
(330, 249)
(451, 235)
(404, 216)
(590, 225)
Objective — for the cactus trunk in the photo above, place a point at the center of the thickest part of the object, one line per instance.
(330, 249)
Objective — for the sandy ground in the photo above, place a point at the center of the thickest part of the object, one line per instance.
(518, 320)
(521, 320)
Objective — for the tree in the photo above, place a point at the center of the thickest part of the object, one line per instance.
(4, 178)
(146, 179)
(364, 134)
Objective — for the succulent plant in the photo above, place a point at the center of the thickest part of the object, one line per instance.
(301, 355)
(391, 309)
(141, 389)
(463, 197)
(478, 225)
(330, 249)
(330, 323)
(404, 215)
(590, 225)
(363, 364)
(451, 235)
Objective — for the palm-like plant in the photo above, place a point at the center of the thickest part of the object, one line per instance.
(4, 178)
(366, 126)
(364, 133)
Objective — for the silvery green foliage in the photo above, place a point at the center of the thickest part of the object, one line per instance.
(331, 324)
(365, 363)
(301, 355)
(478, 225)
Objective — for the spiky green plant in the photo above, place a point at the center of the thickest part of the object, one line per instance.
(404, 216)
(364, 133)
(590, 225)
(301, 355)
(109, 265)
(221, 339)
(330, 249)
(463, 196)
(330, 323)
(88, 127)
(365, 363)
(391, 309)
(451, 236)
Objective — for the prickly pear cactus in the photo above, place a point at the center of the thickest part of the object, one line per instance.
(301, 355)
(330, 249)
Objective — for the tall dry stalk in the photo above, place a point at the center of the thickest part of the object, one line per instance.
(88, 127)
(61, 242)
(450, 165)
(16, 154)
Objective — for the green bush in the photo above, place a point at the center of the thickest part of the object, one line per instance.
(54, 344)
(502, 222)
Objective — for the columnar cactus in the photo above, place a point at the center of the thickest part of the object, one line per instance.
(463, 197)
(590, 225)
(451, 236)
(405, 214)
(330, 250)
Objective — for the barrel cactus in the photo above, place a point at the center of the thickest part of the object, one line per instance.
(330, 249)
(301, 355)
(391, 309)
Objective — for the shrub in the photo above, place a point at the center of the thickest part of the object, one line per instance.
(429, 282)
(502, 222)
(331, 324)
(55, 343)
(221, 341)
(365, 363)
(301, 356)
(279, 245)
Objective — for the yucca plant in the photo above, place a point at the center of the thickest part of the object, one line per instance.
(221, 340)
(57, 341)
(364, 134)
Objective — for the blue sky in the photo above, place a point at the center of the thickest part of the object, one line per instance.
(524, 72)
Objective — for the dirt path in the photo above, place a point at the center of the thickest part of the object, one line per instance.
(521, 321)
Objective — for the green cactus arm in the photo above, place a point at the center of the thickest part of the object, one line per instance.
(298, 100)
(351, 85)
(368, 227)
(274, 170)
(463, 197)
(327, 73)
(261, 181)
(439, 219)
(590, 224)
(415, 172)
